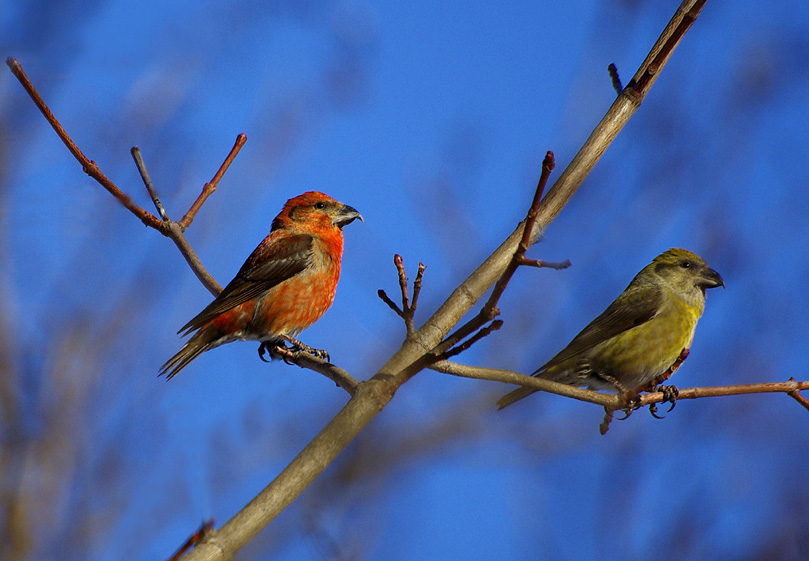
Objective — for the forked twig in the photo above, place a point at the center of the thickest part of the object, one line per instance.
(167, 227)
(408, 309)
(490, 309)
(548, 163)
(175, 230)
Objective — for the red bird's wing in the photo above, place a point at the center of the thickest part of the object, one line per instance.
(266, 267)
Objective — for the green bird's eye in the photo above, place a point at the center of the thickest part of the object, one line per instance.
(685, 265)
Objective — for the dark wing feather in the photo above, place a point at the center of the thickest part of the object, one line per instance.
(284, 260)
(617, 318)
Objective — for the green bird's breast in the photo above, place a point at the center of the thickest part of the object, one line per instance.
(641, 354)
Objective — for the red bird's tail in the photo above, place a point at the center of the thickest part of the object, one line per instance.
(203, 340)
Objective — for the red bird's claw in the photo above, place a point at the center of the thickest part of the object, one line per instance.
(299, 347)
(321, 353)
(276, 351)
(317, 353)
(262, 349)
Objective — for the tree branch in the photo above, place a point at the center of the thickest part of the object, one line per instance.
(210, 187)
(174, 230)
(167, 227)
(89, 166)
(307, 360)
(408, 309)
(612, 401)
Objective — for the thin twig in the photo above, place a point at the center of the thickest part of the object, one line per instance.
(175, 233)
(613, 401)
(609, 415)
(386, 299)
(557, 265)
(398, 261)
(548, 163)
(408, 310)
(174, 230)
(490, 309)
(210, 187)
(483, 332)
(169, 228)
(407, 313)
(510, 377)
(89, 166)
(417, 287)
(147, 181)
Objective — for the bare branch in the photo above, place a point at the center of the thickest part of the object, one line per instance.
(408, 309)
(167, 227)
(89, 166)
(417, 287)
(525, 242)
(483, 332)
(613, 401)
(210, 187)
(545, 264)
(135, 151)
(490, 309)
(386, 299)
(539, 384)
(798, 397)
(174, 230)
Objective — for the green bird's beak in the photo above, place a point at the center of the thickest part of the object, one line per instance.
(710, 279)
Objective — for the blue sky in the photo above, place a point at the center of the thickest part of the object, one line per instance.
(432, 120)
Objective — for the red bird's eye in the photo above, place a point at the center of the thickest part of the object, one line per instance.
(320, 206)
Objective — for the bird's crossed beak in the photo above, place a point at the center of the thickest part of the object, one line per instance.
(346, 215)
(710, 279)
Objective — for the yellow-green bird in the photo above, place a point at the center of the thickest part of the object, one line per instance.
(641, 334)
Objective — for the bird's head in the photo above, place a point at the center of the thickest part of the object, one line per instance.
(315, 211)
(685, 272)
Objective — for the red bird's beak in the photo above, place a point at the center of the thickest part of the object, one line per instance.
(346, 215)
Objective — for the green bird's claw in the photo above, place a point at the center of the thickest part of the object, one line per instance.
(670, 394)
(653, 411)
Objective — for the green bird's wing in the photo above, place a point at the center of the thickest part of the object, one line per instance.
(630, 309)
(279, 262)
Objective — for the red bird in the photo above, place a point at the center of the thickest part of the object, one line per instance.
(285, 285)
